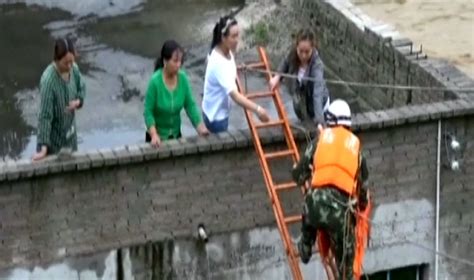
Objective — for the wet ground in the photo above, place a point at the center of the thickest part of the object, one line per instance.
(444, 28)
(117, 43)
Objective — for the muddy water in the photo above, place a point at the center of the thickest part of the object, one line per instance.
(23, 55)
(117, 42)
(444, 28)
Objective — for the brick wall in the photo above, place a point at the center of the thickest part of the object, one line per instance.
(456, 211)
(109, 199)
(118, 200)
(357, 48)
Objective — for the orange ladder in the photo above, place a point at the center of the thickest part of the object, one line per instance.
(292, 150)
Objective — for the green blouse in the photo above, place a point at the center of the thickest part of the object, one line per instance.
(163, 107)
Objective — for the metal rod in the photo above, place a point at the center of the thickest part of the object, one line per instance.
(438, 182)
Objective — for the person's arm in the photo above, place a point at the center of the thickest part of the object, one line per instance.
(303, 169)
(319, 88)
(243, 101)
(364, 170)
(282, 68)
(191, 108)
(45, 119)
(363, 176)
(80, 84)
(229, 85)
(149, 108)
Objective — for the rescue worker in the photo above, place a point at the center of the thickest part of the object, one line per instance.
(338, 172)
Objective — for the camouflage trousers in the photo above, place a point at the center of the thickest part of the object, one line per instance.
(326, 209)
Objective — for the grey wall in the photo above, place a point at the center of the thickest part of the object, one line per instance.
(102, 201)
(356, 48)
(132, 211)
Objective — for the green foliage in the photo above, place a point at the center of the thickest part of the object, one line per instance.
(260, 33)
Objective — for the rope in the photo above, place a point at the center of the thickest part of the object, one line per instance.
(245, 81)
(361, 84)
(347, 230)
(306, 133)
(372, 223)
(369, 85)
(437, 252)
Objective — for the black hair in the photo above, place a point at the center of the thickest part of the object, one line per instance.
(167, 50)
(302, 35)
(221, 29)
(62, 47)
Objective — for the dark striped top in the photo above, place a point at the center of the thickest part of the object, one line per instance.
(56, 126)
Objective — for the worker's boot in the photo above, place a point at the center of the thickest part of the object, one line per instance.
(305, 251)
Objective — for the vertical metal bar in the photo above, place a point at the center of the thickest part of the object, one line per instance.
(438, 182)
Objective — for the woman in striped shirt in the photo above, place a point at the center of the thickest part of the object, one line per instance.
(62, 92)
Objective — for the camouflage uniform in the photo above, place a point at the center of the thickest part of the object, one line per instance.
(326, 208)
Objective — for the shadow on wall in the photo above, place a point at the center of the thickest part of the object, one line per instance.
(254, 254)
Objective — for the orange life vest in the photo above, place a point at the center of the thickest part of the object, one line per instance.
(336, 160)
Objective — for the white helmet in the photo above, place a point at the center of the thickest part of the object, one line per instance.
(338, 113)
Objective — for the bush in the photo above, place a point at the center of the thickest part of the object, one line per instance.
(260, 33)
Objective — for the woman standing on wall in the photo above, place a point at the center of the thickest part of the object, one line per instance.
(220, 80)
(310, 98)
(62, 92)
(169, 91)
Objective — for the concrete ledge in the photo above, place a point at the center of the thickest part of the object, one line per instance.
(84, 160)
(400, 52)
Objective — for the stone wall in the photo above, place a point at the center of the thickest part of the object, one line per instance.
(105, 200)
(133, 211)
(456, 211)
(356, 48)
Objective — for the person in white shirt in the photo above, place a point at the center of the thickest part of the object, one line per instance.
(220, 80)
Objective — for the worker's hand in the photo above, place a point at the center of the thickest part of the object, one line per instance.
(274, 82)
(262, 114)
(155, 141)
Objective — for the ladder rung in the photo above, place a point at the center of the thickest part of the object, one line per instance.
(252, 65)
(259, 95)
(270, 124)
(292, 219)
(285, 186)
(279, 154)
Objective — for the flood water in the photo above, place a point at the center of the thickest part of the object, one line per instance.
(117, 41)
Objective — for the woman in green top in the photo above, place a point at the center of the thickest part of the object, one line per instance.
(168, 93)
(62, 93)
